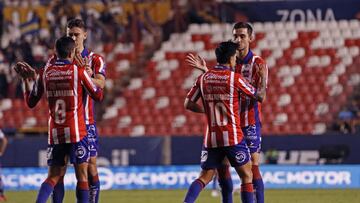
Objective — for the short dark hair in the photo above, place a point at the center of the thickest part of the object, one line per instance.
(76, 23)
(246, 25)
(64, 46)
(224, 51)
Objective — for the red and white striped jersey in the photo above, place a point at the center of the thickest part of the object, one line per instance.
(98, 66)
(250, 109)
(220, 91)
(64, 85)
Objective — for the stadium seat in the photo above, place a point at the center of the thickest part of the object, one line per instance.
(310, 65)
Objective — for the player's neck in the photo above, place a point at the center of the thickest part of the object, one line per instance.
(243, 53)
(65, 59)
(225, 64)
(81, 49)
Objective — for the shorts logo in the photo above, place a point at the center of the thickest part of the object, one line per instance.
(240, 157)
(204, 156)
(80, 152)
(49, 153)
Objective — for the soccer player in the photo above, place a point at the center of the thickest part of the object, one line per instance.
(96, 68)
(95, 65)
(63, 84)
(248, 65)
(219, 89)
(3, 145)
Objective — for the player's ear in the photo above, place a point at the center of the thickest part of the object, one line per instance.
(85, 35)
(251, 31)
(252, 38)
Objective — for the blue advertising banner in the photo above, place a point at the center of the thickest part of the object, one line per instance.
(124, 151)
(180, 177)
(292, 149)
(314, 10)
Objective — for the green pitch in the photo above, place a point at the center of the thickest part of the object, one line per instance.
(174, 196)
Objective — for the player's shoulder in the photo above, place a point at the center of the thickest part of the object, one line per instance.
(52, 59)
(258, 59)
(74, 66)
(2, 135)
(94, 55)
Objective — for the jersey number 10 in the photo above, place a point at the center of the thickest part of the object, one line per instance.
(218, 114)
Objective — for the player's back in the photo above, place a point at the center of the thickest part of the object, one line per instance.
(98, 66)
(220, 92)
(64, 94)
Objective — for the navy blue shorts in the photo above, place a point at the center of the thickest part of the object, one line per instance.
(212, 158)
(252, 134)
(93, 138)
(77, 152)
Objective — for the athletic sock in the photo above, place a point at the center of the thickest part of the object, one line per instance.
(59, 191)
(247, 193)
(45, 190)
(258, 184)
(82, 192)
(225, 183)
(194, 191)
(94, 187)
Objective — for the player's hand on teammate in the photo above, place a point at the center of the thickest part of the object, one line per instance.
(261, 70)
(83, 62)
(25, 71)
(196, 62)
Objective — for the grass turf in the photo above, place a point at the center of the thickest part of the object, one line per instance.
(173, 196)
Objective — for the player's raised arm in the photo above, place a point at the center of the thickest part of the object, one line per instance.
(95, 92)
(99, 68)
(261, 86)
(34, 94)
(246, 88)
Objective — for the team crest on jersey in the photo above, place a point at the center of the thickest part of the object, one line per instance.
(240, 157)
(246, 71)
(204, 156)
(80, 152)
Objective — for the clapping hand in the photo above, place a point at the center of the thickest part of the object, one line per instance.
(24, 70)
(83, 62)
(196, 62)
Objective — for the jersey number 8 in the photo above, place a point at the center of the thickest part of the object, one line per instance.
(60, 111)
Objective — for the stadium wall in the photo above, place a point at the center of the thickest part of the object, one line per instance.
(185, 150)
(180, 177)
(315, 10)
